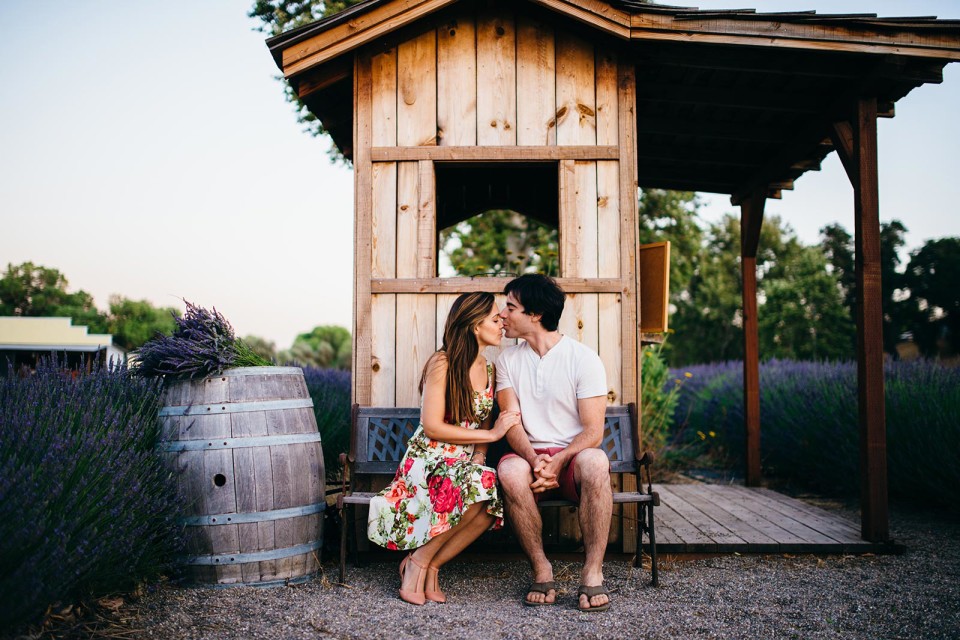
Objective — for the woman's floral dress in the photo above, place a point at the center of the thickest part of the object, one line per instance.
(434, 486)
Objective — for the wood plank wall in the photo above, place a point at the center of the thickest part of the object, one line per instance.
(486, 76)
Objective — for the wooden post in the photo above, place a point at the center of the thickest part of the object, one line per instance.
(874, 521)
(751, 219)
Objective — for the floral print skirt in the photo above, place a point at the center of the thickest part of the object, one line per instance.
(434, 486)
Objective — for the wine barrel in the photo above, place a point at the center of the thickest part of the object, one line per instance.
(249, 470)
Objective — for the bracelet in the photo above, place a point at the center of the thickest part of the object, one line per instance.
(482, 455)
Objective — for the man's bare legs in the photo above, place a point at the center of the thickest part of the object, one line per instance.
(515, 478)
(592, 473)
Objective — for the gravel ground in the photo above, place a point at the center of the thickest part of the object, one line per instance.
(915, 595)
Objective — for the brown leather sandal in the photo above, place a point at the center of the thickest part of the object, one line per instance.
(541, 587)
(590, 592)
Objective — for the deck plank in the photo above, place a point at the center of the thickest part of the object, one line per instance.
(699, 518)
(720, 508)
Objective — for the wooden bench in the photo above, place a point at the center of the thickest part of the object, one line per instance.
(381, 440)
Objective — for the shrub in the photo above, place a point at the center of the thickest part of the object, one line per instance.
(659, 397)
(809, 431)
(85, 504)
(330, 391)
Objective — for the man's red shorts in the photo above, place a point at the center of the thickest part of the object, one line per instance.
(568, 485)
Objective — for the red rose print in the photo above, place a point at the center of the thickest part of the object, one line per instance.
(488, 479)
(450, 461)
(443, 494)
(391, 545)
(407, 465)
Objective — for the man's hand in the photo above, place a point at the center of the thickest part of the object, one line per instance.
(545, 472)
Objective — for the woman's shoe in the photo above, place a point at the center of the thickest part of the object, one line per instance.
(433, 579)
(413, 597)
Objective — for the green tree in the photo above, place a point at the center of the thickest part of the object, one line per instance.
(932, 277)
(326, 346)
(501, 242)
(133, 322)
(804, 316)
(36, 291)
(898, 310)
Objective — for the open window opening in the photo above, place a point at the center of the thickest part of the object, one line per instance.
(498, 220)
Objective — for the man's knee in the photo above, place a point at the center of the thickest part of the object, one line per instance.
(592, 465)
(515, 474)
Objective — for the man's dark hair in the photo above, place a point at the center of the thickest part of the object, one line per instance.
(539, 294)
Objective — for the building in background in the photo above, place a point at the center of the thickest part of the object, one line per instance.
(24, 340)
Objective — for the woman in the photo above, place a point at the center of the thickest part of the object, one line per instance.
(442, 496)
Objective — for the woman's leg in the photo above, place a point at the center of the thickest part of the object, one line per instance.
(450, 543)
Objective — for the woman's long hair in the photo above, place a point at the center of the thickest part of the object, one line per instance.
(461, 349)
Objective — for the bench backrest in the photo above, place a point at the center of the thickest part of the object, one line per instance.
(381, 435)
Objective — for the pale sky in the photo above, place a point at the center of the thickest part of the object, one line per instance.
(146, 150)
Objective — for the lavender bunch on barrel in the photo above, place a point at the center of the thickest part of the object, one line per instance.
(202, 344)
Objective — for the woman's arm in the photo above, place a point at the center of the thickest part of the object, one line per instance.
(434, 409)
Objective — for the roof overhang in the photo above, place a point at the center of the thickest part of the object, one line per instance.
(734, 102)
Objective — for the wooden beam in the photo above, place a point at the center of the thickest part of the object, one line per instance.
(842, 135)
(495, 154)
(322, 77)
(748, 132)
(355, 32)
(874, 515)
(751, 220)
(594, 13)
(711, 97)
(363, 249)
(492, 284)
(779, 34)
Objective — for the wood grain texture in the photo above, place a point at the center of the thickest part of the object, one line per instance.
(457, 79)
(362, 231)
(417, 314)
(536, 83)
(417, 91)
(496, 77)
(383, 372)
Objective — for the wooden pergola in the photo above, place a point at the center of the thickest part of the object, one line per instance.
(731, 102)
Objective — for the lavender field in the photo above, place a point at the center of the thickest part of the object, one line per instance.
(809, 434)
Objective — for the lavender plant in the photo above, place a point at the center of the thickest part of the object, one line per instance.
(85, 503)
(330, 391)
(202, 344)
(809, 432)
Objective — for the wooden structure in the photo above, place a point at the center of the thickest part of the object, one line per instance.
(580, 102)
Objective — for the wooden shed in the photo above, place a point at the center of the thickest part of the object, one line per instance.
(561, 110)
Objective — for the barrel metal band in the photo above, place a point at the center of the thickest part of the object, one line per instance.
(253, 516)
(237, 443)
(235, 407)
(255, 556)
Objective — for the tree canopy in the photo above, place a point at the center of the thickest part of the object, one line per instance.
(32, 290)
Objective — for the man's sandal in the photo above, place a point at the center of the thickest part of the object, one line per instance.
(541, 587)
(590, 592)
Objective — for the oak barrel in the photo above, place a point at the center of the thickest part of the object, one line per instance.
(248, 464)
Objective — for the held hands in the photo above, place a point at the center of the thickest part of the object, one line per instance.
(545, 473)
(506, 421)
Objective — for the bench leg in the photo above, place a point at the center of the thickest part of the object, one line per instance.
(653, 547)
(343, 544)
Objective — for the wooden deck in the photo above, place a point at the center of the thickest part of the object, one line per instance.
(706, 518)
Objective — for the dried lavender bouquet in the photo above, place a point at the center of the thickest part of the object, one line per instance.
(202, 344)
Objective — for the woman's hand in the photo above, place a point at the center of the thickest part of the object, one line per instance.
(506, 421)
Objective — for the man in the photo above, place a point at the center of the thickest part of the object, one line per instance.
(559, 387)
